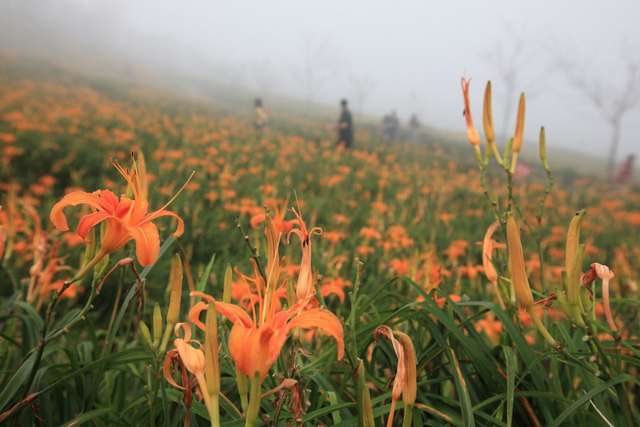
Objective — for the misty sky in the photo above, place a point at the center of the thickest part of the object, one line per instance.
(382, 55)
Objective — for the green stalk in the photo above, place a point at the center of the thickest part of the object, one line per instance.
(241, 381)
(254, 402)
(407, 415)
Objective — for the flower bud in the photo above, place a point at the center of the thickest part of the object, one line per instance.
(519, 279)
(573, 264)
(543, 150)
(157, 324)
(472, 133)
(175, 285)
(228, 280)
(143, 330)
(518, 134)
(487, 115)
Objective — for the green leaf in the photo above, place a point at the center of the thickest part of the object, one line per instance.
(202, 281)
(87, 416)
(588, 396)
(463, 391)
(511, 364)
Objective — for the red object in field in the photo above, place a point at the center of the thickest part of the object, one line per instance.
(523, 170)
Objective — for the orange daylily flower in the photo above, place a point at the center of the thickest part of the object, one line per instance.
(334, 287)
(255, 345)
(126, 219)
(260, 330)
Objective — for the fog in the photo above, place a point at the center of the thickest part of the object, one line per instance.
(381, 55)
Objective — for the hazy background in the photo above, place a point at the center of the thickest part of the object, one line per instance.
(403, 55)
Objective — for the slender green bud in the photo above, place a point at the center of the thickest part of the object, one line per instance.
(157, 324)
(228, 280)
(543, 150)
(573, 264)
(519, 279)
(175, 285)
(487, 115)
(143, 330)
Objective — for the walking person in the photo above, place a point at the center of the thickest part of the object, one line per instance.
(345, 126)
(260, 116)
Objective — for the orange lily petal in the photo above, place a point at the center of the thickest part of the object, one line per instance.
(166, 370)
(162, 212)
(74, 198)
(324, 320)
(232, 312)
(87, 222)
(147, 243)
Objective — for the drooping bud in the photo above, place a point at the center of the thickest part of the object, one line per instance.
(606, 275)
(410, 388)
(404, 383)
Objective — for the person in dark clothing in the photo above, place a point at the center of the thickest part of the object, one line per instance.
(345, 126)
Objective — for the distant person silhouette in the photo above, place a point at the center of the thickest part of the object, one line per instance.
(260, 116)
(414, 128)
(390, 126)
(345, 126)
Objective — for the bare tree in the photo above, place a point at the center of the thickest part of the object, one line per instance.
(612, 103)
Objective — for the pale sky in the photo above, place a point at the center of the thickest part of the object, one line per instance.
(408, 55)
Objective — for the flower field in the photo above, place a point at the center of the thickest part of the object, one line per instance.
(164, 263)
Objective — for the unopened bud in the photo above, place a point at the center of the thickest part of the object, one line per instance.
(543, 150)
(175, 286)
(143, 330)
(157, 324)
(519, 132)
(228, 279)
(487, 115)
